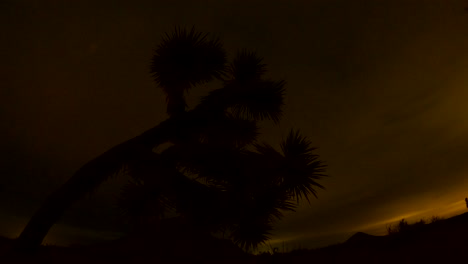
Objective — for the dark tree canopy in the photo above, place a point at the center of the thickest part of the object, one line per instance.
(222, 177)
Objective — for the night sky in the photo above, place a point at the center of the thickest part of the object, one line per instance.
(380, 87)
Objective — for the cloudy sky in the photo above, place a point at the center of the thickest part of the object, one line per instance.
(380, 87)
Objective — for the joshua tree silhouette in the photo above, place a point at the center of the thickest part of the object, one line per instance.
(215, 175)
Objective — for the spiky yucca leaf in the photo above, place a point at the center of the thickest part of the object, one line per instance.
(251, 233)
(302, 168)
(210, 163)
(258, 100)
(245, 93)
(230, 131)
(246, 67)
(185, 59)
(271, 202)
(199, 203)
(295, 145)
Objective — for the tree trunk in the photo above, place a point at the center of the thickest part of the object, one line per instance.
(87, 179)
(101, 168)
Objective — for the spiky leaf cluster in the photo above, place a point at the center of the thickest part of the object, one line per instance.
(187, 58)
(246, 67)
(183, 60)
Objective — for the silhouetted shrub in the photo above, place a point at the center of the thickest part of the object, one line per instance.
(397, 228)
(435, 219)
(404, 227)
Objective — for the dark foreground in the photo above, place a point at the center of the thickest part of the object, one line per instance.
(445, 241)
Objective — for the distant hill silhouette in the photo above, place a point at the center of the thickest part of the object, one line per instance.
(364, 239)
(444, 241)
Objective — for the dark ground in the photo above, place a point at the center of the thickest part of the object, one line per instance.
(445, 241)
